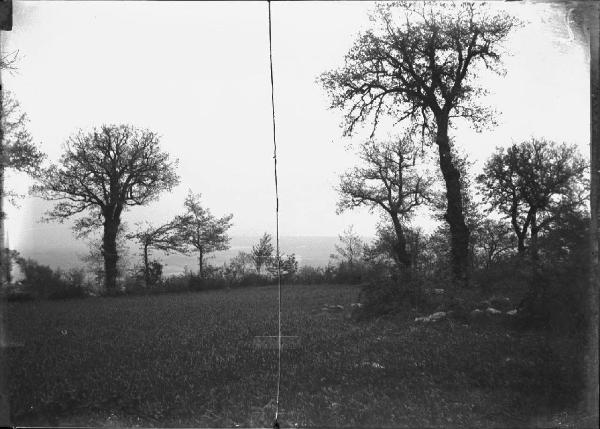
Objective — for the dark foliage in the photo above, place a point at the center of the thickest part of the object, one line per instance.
(40, 281)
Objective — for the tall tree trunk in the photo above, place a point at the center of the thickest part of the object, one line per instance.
(201, 263)
(459, 232)
(400, 245)
(109, 251)
(521, 244)
(535, 268)
(146, 267)
(536, 284)
(534, 242)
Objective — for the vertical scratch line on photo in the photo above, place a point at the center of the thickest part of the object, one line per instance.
(276, 424)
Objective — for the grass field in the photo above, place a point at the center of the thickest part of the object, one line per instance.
(191, 360)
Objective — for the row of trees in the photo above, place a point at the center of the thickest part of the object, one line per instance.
(418, 66)
(196, 230)
(98, 177)
(526, 190)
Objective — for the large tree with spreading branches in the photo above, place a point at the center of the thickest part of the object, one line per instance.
(101, 173)
(419, 63)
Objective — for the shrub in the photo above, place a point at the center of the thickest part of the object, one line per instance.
(310, 275)
(16, 292)
(71, 285)
(386, 296)
(41, 281)
(557, 299)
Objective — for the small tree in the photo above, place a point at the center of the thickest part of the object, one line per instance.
(103, 172)
(351, 249)
(201, 231)
(239, 265)
(393, 180)
(262, 253)
(17, 153)
(288, 266)
(164, 238)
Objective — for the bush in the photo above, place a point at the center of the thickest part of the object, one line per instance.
(175, 284)
(387, 296)
(310, 275)
(557, 297)
(41, 281)
(507, 273)
(253, 279)
(16, 293)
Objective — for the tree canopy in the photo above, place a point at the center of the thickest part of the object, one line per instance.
(419, 62)
(19, 152)
(100, 174)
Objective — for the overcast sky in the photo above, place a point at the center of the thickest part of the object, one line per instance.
(198, 74)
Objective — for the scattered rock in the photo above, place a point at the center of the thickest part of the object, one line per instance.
(435, 317)
(373, 364)
(332, 307)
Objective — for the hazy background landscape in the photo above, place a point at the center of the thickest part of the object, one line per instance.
(314, 251)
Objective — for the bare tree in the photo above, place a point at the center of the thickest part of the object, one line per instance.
(392, 179)
(202, 231)
(164, 238)
(101, 173)
(418, 64)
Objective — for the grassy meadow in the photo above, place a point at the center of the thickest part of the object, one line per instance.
(191, 360)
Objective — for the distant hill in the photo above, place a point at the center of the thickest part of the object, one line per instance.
(313, 251)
